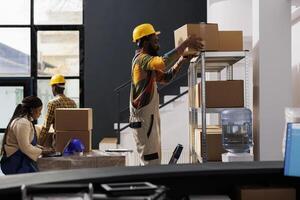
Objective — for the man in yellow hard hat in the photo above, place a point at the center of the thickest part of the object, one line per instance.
(148, 68)
(57, 84)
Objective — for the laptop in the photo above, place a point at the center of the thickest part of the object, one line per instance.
(292, 150)
(58, 153)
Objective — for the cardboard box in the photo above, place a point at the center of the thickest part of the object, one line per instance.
(208, 32)
(230, 40)
(222, 94)
(62, 138)
(73, 119)
(108, 143)
(213, 142)
(267, 193)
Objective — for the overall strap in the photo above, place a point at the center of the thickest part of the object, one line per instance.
(132, 66)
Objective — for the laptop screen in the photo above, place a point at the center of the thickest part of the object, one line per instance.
(292, 150)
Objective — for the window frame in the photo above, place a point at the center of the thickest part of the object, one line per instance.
(25, 82)
(34, 52)
(30, 82)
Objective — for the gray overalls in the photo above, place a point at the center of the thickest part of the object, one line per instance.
(147, 134)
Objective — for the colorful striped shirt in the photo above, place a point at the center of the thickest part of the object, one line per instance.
(146, 70)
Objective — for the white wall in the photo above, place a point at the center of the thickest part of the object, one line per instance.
(233, 15)
(255, 59)
(296, 57)
(266, 27)
(272, 75)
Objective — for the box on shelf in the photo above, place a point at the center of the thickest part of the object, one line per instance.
(263, 193)
(108, 143)
(230, 40)
(209, 32)
(73, 119)
(222, 94)
(63, 137)
(213, 142)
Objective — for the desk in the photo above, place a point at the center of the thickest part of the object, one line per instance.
(210, 178)
(93, 159)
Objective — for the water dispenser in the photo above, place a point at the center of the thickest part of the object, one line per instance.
(237, 131)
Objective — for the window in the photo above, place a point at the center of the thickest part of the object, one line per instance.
(58, 52)
(58, 11)
(13, 95)
(14, 12)
(39, 38)
(12, 91)
(14, 51)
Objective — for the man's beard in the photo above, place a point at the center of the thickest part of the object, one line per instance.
(152, 51)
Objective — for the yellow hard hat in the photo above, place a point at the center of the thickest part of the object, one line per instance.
(142, 31)
(57, 79)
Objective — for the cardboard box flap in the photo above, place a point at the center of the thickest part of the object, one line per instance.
(109, 140)
(209, 32)
(212, 129)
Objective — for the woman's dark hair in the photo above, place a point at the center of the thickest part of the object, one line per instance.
(23, 109)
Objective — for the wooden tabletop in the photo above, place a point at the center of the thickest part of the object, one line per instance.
(93, 159)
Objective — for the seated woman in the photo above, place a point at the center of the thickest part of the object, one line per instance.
(19, 147)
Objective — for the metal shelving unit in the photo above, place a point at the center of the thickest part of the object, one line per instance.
(210, 62)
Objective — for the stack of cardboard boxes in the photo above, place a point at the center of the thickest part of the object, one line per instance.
(73, 123)
(214, 40)
(219, 94)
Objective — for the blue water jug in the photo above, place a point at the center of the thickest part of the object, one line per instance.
(237, 129)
